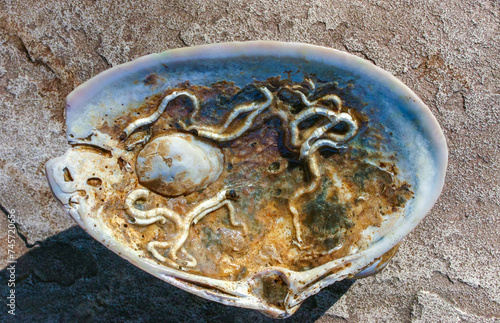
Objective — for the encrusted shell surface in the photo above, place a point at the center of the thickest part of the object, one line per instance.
(252, 174)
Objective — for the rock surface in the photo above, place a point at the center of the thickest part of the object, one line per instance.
(447, 51)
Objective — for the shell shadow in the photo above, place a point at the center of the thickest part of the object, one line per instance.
(70, 277)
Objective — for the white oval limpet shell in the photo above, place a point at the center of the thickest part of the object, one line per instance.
(178, 164)
(252, 174)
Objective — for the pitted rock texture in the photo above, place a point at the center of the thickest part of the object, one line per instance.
(448, 52)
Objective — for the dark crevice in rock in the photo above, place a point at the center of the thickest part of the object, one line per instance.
(446, 276)
(39, 54)
(105, 60)
(37, 61)
(21, 46)
(18, 232)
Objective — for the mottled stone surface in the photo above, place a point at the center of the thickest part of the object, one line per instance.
(447, 51)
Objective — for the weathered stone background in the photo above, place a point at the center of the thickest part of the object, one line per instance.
(447, 51)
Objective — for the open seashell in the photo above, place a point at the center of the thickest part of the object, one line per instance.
(252, 174)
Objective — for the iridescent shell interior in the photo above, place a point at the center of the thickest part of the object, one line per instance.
(253, 174)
